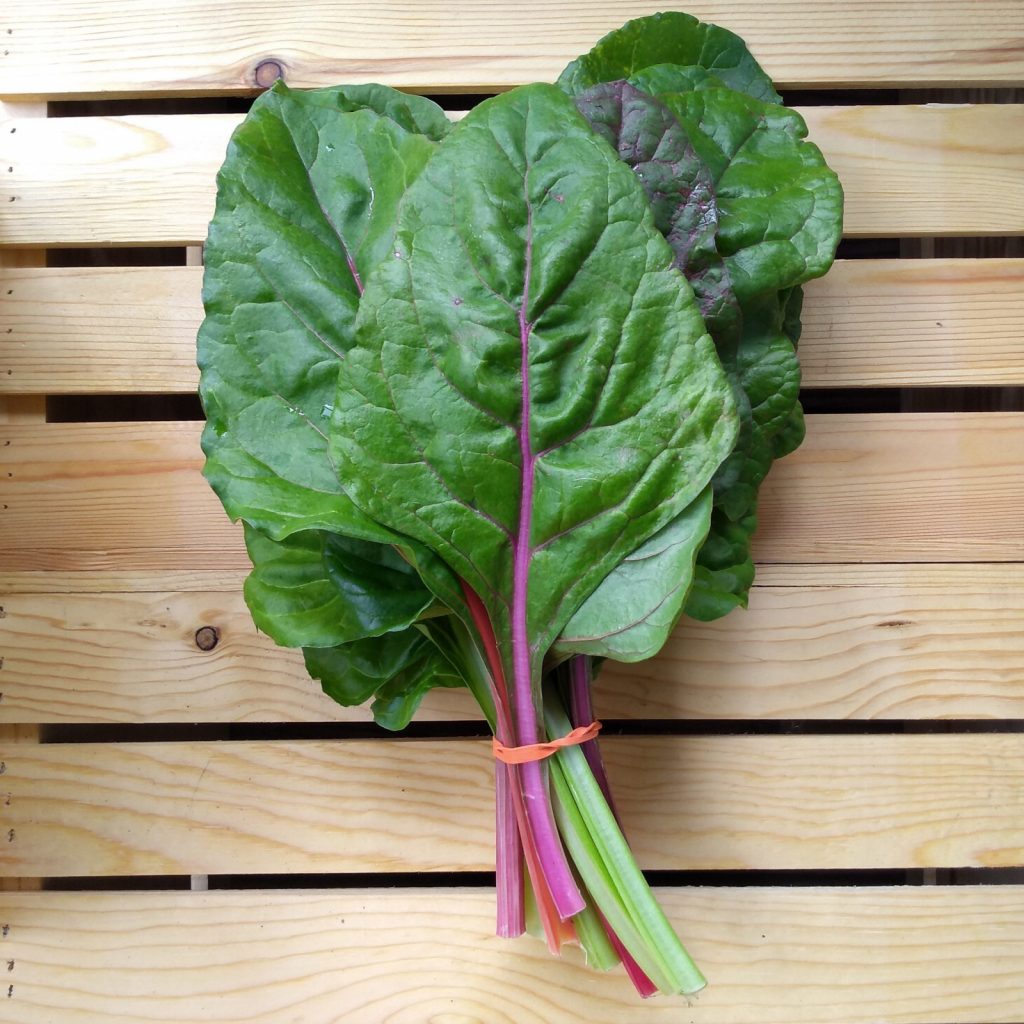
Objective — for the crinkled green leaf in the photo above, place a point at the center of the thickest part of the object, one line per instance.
(306, 206)
(792, 306)
(650, 140)
(636, 606)
(779, 204)
(415, 114)
(725, 570)
(681, 160)
(791, 436)
(352, 673)
(669, 38)
(307, 202)
(531, 394)
(396, 701)
(659, 78)
(319, 589)
(396, 669)
(773, 211)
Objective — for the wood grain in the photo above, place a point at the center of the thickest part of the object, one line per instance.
(932, 955)
(910, 169)
(97, 330)
(901, 651)
(82, 47)
(817, 642)
(920, 487)
(133, 657)
(16, 407)
(712, 802)
(869, 323)
(912, 323)
(879, 488)
(149, 179)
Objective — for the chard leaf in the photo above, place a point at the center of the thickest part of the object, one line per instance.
(352, 673)
(659, 78)
(319, 589)
(636, 606)
(791, 435)
(306, 207)
(725, 571)
(398, 669)
(780, 206)
(532, 394)
(416, 114)
(669, 38)
(772, 211)
(650, 140)
(395, 703)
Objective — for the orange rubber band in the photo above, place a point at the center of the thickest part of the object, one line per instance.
(539, 751)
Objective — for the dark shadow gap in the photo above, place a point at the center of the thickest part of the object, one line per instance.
(793, 97)
(937, 247)
(781, 878)
(133, 106)
(117, 256)
(816, 401)
(831, 401)
(184, 732)
(122, 408)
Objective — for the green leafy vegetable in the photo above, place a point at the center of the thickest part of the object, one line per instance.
(752, 212)
(669, 38)
(319, 589)
(525, 256)
(306, 205)
(494, 402)
(396, 669)
(634, 609)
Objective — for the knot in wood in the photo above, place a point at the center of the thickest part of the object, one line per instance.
(207, 637)
(267, 73)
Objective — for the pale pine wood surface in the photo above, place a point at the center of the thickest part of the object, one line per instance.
(149, 179)
(868, 323)
(93, 330)
(697, 802)
(84, 47)
(114, 513)
(379, 956)
(875, 323)
(820, 642)
(882, 488)
(924, 487)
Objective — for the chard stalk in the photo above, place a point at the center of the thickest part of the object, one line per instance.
(526, 700)
(610, 871)
(581, 710)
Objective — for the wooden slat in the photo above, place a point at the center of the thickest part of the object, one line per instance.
(906, 170)
(820, 642)
(83, 47)
(879, 488)
(17, 407)
(902, 650)
(868, 323)
(99, 331)
(928, 170)
(933, 955)
(919, 487)
(813, 802)
(872, 323)
(130, 657)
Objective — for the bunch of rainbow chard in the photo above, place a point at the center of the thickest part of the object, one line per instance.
(494, 399)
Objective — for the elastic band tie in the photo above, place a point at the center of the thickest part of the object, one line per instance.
(539, 751)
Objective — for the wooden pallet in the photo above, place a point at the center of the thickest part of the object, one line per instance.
(832, 784)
